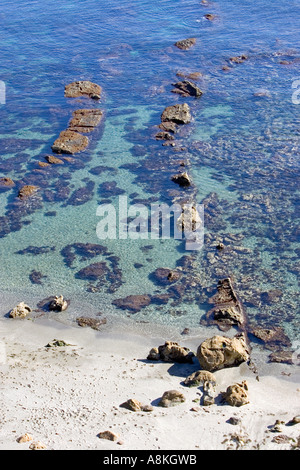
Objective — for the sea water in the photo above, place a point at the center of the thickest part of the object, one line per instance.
(241, 151)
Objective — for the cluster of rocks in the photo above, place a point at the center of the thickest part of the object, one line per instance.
(71, 140)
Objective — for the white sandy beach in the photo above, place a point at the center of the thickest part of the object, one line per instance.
(64, 396)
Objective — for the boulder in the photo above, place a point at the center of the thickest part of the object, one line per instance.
(171, 352)
(171, 398)
(220, 352)
(134, 405)
(177, 113)
(209, 393)
(182, 179)
(199, 378)
(133, 302)
(70, 142)
(109, 435)
(185, 44)
(58, 304)
(237, 394)
(20, 311)
(187, 88)
(27, 190)
(85, 120)
(83, 88)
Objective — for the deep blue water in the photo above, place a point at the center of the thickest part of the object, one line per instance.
(241, 151)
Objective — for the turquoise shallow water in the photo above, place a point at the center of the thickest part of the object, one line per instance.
(241, 151)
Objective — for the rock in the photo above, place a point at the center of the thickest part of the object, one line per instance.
(199, 378)
(24, 438)
(189, 220)
(182, 179)
(178, 113)
(83, 88)
(187, 88)
(185, 44)
(20, 311)
(166, 275)
(209, 393)
(282, 439)
(27, 190)
(220, 352)
(273, 337)
(54, 160)
(162, 135)
(85, 120)
(36, 277)
(171, 398)
(234, 421)
(277, 427)
(168, 126)
(133, 302)
(236, 395)
(93, 323)
(93, 271)
(58, 304)
(239, 59)
(37, 446)
(171, 352)
(57, 343)
(282, 357)
(210, 17)
(70, 142)
(295, 420)
(6, 182)
(228, 309)
(134, 405)
(43, 164)
(109, 435)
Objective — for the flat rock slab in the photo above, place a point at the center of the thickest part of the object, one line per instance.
(85, 120)
(83, 88)
(70, 142)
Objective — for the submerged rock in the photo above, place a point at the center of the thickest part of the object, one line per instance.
(70, 142)
(220, 352)
(83, 88)
(133, 302)
(178, 113)
(273, 338)
(20, 311)
(92, 272)
(185, 44)
(85, 120)
(166, 275)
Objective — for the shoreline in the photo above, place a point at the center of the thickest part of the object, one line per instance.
(65, 396)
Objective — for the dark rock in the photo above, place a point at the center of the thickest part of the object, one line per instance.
(84, 250)
(133, 303)
(168, 126)
(92, 272)
(110, 188)
(185, 44)
(82, 195)
(182, 179)
(187, 88)
(36, 277)
(164, 136)
(35, 250)
(166, 275)
(171, 352)
(273, 338)
(178, 113)
(83, 88)
(70, 142)
(58, 304)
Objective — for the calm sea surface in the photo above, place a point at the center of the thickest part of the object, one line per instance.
(241, 151)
